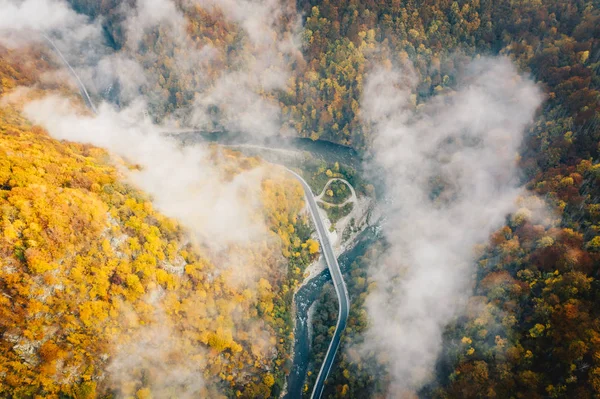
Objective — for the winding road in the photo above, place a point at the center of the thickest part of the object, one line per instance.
(326, 249)
(338, 283)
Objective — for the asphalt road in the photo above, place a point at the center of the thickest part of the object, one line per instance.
(338, 283)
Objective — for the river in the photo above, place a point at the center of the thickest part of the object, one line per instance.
(305, 297)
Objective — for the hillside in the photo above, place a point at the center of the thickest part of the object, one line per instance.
(103, 295)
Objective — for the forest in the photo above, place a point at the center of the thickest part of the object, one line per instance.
(532, 326)
(82, 251)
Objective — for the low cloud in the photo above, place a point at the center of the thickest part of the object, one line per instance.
(184, 183)
(37, 15)
(449, 166)
(154, 356)
(149, 14)
(244, 95)
(241, 88)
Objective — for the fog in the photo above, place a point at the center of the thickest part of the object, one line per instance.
(269, 49)
(241, 87)
(37, 15)
(156, 353)
(450, 173)
(183, 183)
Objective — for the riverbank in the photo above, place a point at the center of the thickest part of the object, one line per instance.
(317, 276)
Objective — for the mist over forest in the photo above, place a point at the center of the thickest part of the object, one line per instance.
(279, 199)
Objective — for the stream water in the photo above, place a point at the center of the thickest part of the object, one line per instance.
(322, 150)
(305, 297)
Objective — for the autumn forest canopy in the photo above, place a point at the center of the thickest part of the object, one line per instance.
(452, 148)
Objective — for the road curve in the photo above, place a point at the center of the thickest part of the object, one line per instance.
(338, 283)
